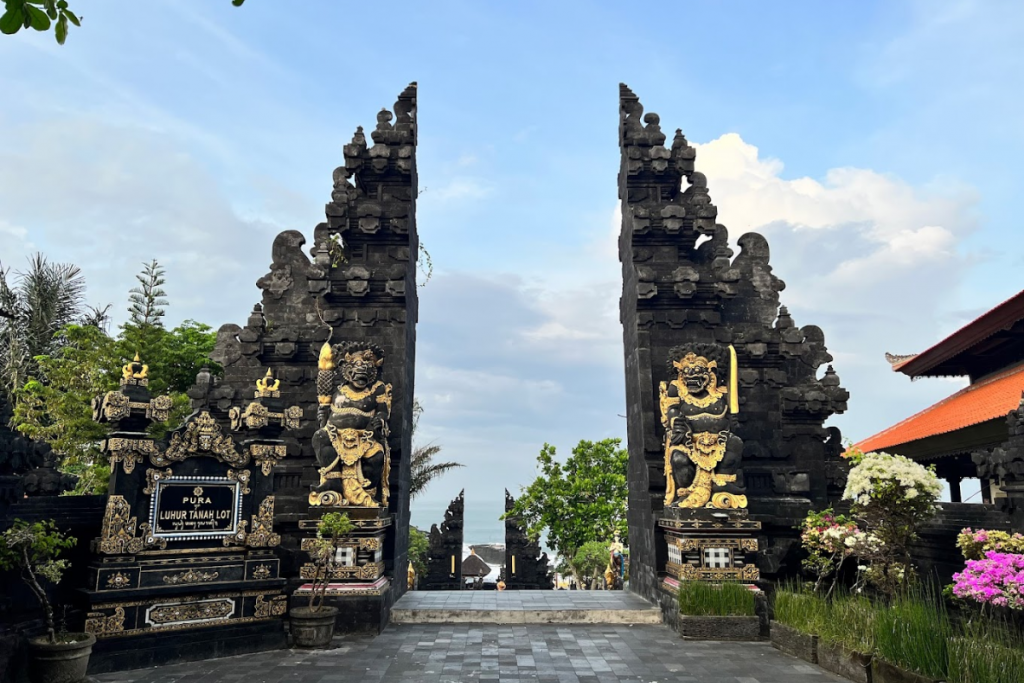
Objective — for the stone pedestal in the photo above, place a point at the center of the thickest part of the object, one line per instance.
(708, 545)
(359, 587)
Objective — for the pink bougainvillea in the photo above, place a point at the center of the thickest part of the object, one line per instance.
(997, 579)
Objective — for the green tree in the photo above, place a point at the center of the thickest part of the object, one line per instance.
(590, 561)
(34, 305)
(54, 405)
(582, 501)
(419, 544)
(42, 14)
(146, 302)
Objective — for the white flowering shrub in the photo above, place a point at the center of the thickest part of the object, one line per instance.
(882, 475)
(891, 497)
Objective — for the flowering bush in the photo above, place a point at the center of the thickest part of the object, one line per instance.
(826, 537)
(892, 496)
(997, 579)
(974, 544)
(892, 478)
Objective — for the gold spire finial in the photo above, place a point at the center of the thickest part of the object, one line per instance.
(268, 385)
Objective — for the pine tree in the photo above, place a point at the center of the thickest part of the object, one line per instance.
(146, 301)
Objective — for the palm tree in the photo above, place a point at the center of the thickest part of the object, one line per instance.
(35, 305)
(423, 468)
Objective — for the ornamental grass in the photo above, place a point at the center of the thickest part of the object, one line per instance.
(700, 598)
(913, 632)
(987, 652)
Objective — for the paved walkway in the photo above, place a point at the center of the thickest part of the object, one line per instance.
(544, 653)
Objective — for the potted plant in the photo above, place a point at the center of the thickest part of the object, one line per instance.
(313, 626)
(32, 549)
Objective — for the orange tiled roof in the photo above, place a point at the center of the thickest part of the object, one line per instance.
(988, 398)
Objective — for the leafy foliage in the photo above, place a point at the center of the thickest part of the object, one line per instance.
(54, 404)
(146, 301)
(824, 536)
(590, 560)
(581, 501)
(419, 545)
(41, 14)
(32, 549)
(974, 544)
(35, 304)
(324, 555)
(38, 15)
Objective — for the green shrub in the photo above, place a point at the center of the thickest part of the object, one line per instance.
(700, 598)
(913, 633)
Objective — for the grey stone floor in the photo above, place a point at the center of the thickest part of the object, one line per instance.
(552, 654)
(522, 600)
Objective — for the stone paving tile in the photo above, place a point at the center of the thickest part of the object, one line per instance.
(543, 654)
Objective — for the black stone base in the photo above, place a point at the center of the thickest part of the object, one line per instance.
(356, 613)
(166, 647)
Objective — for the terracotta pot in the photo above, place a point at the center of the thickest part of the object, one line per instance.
(60, 662)
(312, 629)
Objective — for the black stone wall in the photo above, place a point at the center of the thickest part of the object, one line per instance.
(682, 284)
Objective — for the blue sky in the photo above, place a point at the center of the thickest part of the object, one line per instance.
(875, 144)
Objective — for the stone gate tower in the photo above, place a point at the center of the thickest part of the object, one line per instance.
(683, 288)
(358, 290)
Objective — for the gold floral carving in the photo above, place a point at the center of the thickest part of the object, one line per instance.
(118, 580)
(129, 452)
(118, 534)
(237, 538)
(275, 608)
(159, 408)
(202, 436)
(261, 572)
(257, 416)
(369, 543)
(100, 624)
(191, 576)
(242, 477)
(267, 455)
(262, 534)
(198, 611)
(370, 571)
(268, 387)
(152, 477)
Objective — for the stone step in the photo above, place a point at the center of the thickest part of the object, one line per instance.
(523, 607)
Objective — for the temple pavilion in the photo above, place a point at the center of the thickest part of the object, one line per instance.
(989, 352)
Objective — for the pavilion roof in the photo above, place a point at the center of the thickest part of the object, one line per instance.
(991, 397)
(941, 358)
(474, 566)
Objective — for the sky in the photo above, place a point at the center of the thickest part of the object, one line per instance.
(876, 144)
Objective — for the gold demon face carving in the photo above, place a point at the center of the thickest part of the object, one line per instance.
(359, 368)
(696, 373)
